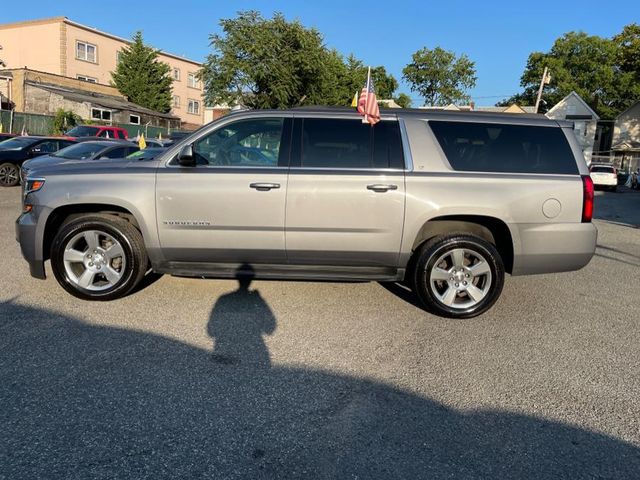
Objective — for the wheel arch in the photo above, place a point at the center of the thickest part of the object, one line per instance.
(66, 213)
(491, 229)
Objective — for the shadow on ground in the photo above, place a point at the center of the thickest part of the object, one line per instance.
(79, 401)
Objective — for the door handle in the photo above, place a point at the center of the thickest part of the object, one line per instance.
(264, 187)
(379, 187)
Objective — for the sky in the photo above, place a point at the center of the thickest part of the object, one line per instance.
(497, 35)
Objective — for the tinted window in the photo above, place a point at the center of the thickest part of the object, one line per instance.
(121, 134)
(119, 152)
(48, 146)
(329, 143)
(602, 169)
(247, 143)
(335, 143)
(387, 146)
(488, 147)
(83, 131)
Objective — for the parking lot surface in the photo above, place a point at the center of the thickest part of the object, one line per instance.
(203, 379)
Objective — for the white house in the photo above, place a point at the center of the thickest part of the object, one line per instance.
(585, 121)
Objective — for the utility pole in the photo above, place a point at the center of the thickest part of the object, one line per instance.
(546, 78)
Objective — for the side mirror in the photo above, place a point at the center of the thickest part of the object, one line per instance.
(186, 158)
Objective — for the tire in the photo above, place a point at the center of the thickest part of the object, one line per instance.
(458, 275)
(614, 189)
(98, 257)
(9, 174)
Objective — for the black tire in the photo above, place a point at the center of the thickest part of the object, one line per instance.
(490, 283)
(9, 174)
(614, 189)
(130, 239)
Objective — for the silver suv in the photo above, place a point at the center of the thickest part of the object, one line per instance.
(445, 202)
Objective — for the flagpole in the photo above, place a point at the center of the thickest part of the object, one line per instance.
(365, 119)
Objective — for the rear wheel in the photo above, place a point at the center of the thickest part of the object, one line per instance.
(98, 257)
(458, 276)
(9, 175)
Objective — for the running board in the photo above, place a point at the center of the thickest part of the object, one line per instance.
(282, 272)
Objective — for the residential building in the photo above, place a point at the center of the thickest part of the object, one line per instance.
(585, 121)
(471, 107)
(625, 143)
(63, 47)
(44, 93)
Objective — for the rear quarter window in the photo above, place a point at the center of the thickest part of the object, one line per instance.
(493, 147)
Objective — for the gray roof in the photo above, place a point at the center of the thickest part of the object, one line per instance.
(99, 99)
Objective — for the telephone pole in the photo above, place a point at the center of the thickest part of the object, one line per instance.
(546, 78)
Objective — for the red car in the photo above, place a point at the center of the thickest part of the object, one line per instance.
(97, 131)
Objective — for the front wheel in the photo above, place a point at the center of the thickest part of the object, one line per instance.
(458, 276)
(98, 257)
(9, 175)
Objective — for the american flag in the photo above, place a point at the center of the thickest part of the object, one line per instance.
(367, 104)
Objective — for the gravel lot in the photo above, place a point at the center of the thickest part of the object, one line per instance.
(324, 380)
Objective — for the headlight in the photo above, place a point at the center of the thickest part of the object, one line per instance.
(33, 185)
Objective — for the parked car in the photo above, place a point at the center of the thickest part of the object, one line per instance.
(146, 154)
(101, 131)
(6, 136)
(151, 142)
(446, 202)
(604, 175)
(15, 151)
(89, 150)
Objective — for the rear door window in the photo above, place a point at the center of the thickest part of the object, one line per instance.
(493, 147)
(350, 144)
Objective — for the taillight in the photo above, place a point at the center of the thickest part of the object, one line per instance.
(587, 199)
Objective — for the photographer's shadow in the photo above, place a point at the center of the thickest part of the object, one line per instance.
(238, 322)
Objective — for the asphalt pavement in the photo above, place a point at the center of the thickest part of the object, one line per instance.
(203, 379)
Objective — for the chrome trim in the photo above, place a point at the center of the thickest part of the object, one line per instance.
(406, 148)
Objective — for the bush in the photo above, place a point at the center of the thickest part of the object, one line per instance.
(64, 120)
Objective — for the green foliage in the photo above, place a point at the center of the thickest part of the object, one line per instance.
(403, 100)
(64, 120)
(440, 76)
(604, 72)
(274, 63)
(142, 78)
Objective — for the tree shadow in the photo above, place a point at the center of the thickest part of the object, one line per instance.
(83, 401)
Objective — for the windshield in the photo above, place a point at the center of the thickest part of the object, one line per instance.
(79, 151)
(83, 131)
(17, 143)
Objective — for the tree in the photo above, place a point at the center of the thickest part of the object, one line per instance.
(64, 120)
(403, 100)
(142, 78)
(274, 63)
(440, 76)
(604, 72)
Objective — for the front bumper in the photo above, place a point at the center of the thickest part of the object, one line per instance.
(27, 235)
(554, 247)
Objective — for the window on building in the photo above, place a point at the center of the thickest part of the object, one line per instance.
(194, 107)
(135, 119)
(84, 78)
(101, 114)
(192, 80)
(86, 51)
(118, 57)
(176, 101)
(176, 74)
